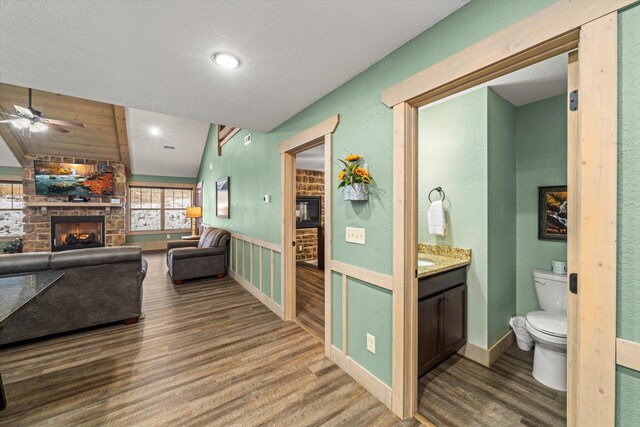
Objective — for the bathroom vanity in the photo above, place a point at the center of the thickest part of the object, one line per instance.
(442, 304)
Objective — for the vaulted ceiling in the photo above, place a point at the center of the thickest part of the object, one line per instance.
(103, 138)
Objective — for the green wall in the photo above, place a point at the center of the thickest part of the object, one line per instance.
(628, 289)
(501, 131)
(452, 153)
(467, 146)
(10, 170)
(366, 128)
(541, 160)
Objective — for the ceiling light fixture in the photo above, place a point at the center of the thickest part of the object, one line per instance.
(225, 60)
(154, 131)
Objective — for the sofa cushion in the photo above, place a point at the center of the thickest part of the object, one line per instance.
(24, 263)
(95, 256)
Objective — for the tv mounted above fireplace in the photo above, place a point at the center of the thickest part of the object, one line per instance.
(71, 179)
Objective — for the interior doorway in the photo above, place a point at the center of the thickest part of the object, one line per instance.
(310, 234)
(318, 135)
(493, 159)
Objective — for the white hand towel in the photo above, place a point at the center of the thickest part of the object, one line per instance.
(436, 219)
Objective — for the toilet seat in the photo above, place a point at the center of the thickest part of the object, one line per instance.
(549, 323)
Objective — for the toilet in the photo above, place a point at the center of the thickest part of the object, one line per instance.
(548, 328)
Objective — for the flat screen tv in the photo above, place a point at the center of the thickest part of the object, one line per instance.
(70, 179)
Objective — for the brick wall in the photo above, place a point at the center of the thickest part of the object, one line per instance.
(37, 223)
(309, 183)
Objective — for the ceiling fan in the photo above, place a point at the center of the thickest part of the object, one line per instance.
(32, 120)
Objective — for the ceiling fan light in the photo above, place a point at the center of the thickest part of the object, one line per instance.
(21, 124)
(38, 127)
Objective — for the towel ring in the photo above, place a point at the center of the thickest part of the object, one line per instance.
(440, 191)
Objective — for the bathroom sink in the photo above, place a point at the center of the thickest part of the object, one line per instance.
(425, 263)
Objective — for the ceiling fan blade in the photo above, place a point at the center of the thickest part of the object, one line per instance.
(58, 128)
(63, 122)
(9, 115)
(9, 120)
(23, 111)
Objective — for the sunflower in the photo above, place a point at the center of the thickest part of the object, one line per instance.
(352, 157)
(362, 172)
(341, 175)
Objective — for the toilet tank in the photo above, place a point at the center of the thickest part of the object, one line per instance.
(551, 290)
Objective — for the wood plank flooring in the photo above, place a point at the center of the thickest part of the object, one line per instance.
(310, 298)
(460, 392)
(206, 353)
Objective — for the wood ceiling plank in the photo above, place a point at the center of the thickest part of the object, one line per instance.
(38, 146)
(122, 138)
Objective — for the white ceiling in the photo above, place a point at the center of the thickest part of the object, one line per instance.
(533, 83)
(154, 56)
(6, 156)
(312, 159)
(148, 155)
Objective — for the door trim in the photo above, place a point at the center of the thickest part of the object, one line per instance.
(591, 25)
(322, 133)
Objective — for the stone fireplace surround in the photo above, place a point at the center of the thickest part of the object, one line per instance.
(37, 218)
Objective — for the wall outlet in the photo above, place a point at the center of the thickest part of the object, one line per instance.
(371, 343)
(168, 236)
(247, 139)
(355, 235)
(300, 248)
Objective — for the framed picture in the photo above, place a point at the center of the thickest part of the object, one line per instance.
(222, 197)
(552, 213)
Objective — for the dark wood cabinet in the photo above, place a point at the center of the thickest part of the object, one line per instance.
(442, 318)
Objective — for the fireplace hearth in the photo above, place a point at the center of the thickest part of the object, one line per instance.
(77, 232)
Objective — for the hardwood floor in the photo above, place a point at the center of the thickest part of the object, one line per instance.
(206, 353)
(460, 392)
(310, 298)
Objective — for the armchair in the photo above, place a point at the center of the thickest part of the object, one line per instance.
(192, 259)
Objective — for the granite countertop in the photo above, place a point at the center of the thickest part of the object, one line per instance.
(444, 258)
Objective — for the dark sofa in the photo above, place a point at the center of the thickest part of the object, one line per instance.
(100, 285)
(193, 259)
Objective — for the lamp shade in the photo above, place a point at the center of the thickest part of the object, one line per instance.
(194, 212)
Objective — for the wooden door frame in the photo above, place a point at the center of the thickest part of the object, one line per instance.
(322, 133)
(564, 26)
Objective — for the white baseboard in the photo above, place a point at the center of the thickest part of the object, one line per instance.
(272, 305)
(366, 379)
(487, 357)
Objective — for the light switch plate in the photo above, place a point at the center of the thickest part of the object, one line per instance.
(247, 139)
(355, 235)
(371, 343)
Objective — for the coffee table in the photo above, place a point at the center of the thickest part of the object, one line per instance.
(16, 293)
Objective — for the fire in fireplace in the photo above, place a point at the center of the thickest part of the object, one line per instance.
(76, 232)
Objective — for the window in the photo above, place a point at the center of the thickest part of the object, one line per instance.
(159, 209)
(10, 209)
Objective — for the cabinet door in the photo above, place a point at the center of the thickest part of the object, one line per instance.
(428, 337)
(454, 320)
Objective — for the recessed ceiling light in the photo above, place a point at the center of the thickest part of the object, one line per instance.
(154, 131)
(225, 60)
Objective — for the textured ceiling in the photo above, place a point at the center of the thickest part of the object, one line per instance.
(148, 155)
(154, 56)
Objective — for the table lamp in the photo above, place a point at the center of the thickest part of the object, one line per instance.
(194, 212)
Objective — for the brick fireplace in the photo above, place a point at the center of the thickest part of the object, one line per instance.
(309, 183)
(39, 210)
